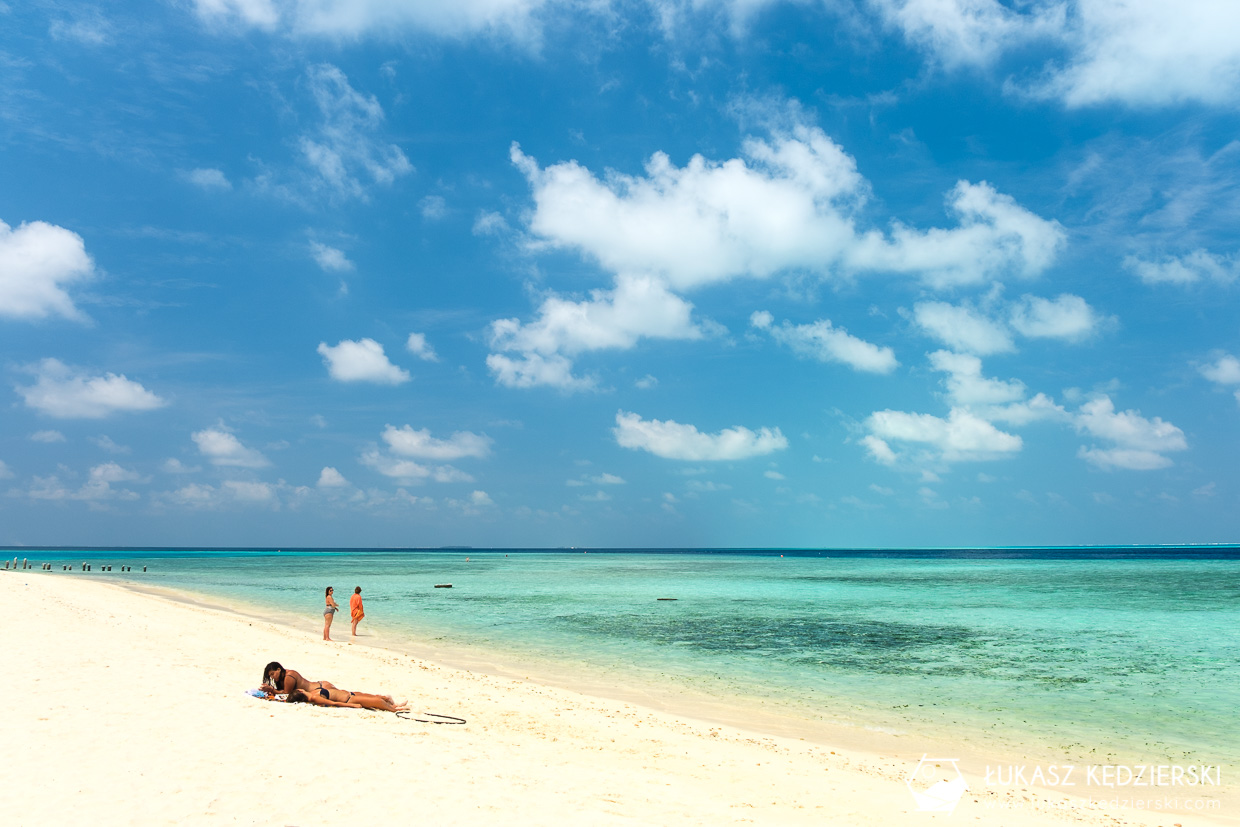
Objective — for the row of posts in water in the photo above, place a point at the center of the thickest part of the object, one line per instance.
(26, 564)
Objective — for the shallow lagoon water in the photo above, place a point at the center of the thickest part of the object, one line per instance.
(1093, 654)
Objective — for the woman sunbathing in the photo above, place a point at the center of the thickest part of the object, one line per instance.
(283, 681)
(340, 697)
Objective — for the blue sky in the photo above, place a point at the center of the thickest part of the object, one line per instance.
(619, 272)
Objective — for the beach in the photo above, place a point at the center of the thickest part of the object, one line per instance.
(132, 708)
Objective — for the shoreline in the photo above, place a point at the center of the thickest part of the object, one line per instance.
(837, 723)
(589, 742)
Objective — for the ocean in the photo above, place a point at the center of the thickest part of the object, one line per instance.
(1089, 654)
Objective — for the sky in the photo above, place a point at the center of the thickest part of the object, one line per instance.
(619, 273)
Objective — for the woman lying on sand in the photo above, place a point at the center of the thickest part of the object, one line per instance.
(340, 697)
(282, 681)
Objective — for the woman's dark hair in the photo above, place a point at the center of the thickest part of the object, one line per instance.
(298, 696)
(268, 669)
(358, 590)
(329, 591)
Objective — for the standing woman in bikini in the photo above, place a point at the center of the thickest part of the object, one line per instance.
(329, 612)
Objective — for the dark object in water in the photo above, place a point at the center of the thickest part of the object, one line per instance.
(667, 598)
(443, 585)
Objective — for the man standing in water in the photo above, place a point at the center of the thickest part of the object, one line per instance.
(355, 608)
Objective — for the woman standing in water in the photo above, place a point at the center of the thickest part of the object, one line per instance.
(329, 612)
(355, 608)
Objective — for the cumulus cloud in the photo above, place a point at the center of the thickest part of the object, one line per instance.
(330, 259)
(963, 328)
(791, 203)
(5, 473)
(38, 262)
(1223, 371)
(208, 179)
(221, 447)
(673, 440)
(331, 478)
(823, 341)
(1065, 317)
(407, 442)
(1137, 443)
(962, 437)
(47, 436)
(361, 361)
(1135, 52)
(407, 471)
(419, 347)
(610, 319)
(995, 400)
(66, 393)
(1199, 265)
(229, 493)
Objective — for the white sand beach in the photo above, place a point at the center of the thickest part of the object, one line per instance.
(132, 709)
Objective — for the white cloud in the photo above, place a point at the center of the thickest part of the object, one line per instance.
(1140, 444)
(433, 207)
(490, 223)
(968, 32)
(331, 478)
(596, 497)
(673, 440)
(646, 382)
(66, 393)
(1150, 53)
(330, 259)
(38, 261)
(480, 499)
(360, 361)
(962, 328)
(172, 465)
(110, 472)
(516, 20)
(761, 319)
(1224, 371)
(419, 347)
(791, 203)
(410, 443)
(961, 437)
(532, 370)
(345, 155)
(1066, 317)
(1135, 52)
(407, 471)
(47, 436)
(967, 387)
(879, 450)
(108, 444)
(826, 343)
(246, 491)
(638, 307)
(222, 448)
(208, 179)
(1187, 269)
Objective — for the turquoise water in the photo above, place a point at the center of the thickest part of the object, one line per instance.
(1124, 653)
